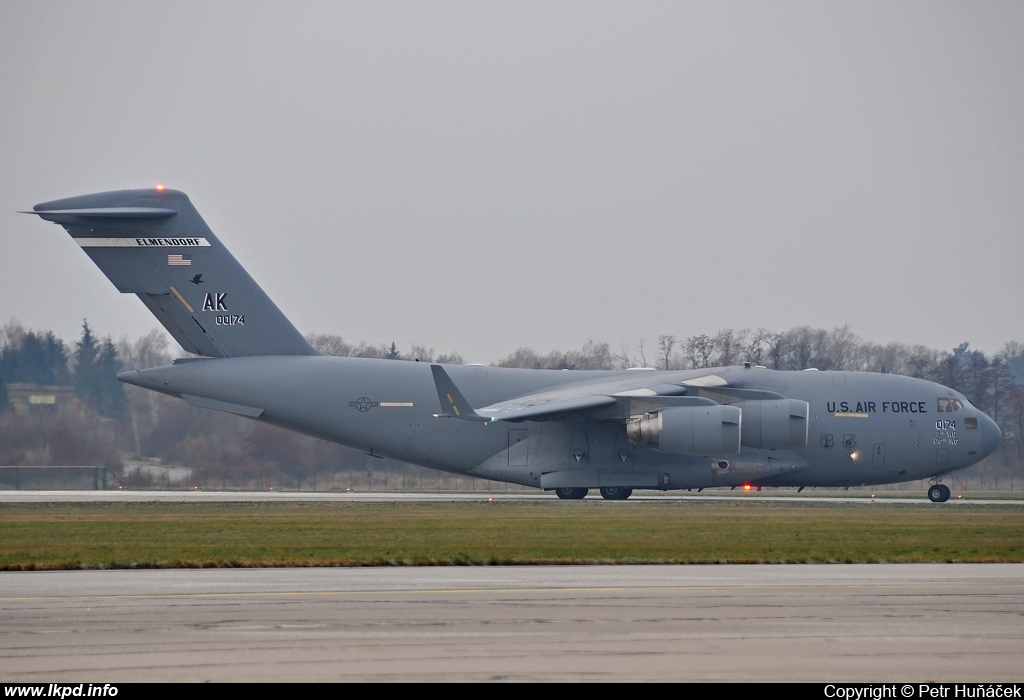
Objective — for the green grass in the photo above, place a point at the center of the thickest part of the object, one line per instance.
(70, 536)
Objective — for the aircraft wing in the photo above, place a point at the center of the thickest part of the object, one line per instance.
(455, 405)
(577, 398)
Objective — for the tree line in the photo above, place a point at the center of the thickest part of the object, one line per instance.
(121, 424)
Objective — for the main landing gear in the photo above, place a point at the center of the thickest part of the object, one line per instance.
(938, 493)
(609, 493)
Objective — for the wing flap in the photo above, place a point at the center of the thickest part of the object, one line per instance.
(541, 406)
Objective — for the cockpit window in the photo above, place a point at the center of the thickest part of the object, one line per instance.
(950, 405)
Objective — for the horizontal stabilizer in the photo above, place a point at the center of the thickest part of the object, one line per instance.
(62, 215)
(225, 406)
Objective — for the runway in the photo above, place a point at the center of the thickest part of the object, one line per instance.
(874, 622)
(198, 496)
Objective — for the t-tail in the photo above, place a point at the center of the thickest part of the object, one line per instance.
(153, 243)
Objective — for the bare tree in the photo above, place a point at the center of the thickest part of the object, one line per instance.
(12, 334)
(148, 351)
(452, 358)
(843, 345)
(524, 358)
(726, 347)
(665, 344)
(699, 350)
(329, 344)
(757, 348)
(622, 360)
(421, 353)
(643, 357)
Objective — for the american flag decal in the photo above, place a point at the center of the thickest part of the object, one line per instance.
(179, 259)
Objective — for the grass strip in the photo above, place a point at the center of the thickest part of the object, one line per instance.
(153, 535)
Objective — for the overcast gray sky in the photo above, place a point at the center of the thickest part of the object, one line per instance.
(479, 176)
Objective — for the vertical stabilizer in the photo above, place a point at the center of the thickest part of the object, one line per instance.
(153, 243)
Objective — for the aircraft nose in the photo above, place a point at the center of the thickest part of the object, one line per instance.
(990, 434)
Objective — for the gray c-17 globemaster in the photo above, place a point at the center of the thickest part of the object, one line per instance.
(566, 431)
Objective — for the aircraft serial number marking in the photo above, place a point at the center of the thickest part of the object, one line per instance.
(945, 432)
(230, 320)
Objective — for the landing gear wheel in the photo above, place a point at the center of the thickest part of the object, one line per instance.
(939, 493)
(615, 493)
(571, 493)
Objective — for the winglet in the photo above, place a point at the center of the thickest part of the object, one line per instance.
(453, 403)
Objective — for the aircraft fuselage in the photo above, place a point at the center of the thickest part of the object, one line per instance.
(862, 428)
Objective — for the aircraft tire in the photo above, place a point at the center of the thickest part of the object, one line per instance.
(572, 494)
(939, 493)
(615, 493)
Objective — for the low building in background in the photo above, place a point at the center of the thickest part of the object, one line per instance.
(26, 398)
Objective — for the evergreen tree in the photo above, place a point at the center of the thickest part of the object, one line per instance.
(56, 359)
(38, 359)
(4, 401)
(111, 398)
(10, 361)
(34, 367)
(85, 365)
(95, 380)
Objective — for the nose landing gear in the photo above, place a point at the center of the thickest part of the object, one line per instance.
(938, 493)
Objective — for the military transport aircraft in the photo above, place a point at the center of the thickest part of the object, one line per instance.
(564, 431)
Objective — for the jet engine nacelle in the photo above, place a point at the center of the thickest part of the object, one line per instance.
(775, 425)
(690, 430)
